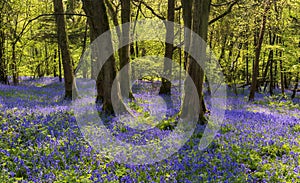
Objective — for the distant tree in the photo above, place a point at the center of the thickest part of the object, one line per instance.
(125, 50)
(64, 47)
(258, 46)
(166, 84)
(3, 66)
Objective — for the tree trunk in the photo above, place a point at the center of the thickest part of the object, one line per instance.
(296, 86)
(166, 84)
(200, 27)
(125, 50)
(98, 23)
(14, 65)
(114, 16)
(59, 65)
(254, 83)
(64, 46)
(297, 81)
(187, 18)
(3, 67)
(271, 73)
(269, 65)
(281, 69)
(247, 63)
(54, 63)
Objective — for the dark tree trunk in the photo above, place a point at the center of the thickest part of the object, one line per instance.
(297, 81)
(234, 67)
(200, 27)
(271, 73)
(54, 63)
(166, 84)
(281, 71)
(59, 65)
(3, 67)
(98, 23)
(114, 16)
(125, 50)
(269, 65)
(14, 65)
(286, 84)
(187, 18)
(247, 63)
(64, 46)
(295, 86)
(47, 60)
(254, 83)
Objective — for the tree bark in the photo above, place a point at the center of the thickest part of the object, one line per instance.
(125, 50)
(254, 83)
(247, 63)
(187, 18)
(269, 65)
(3, 67)
(295, 86)
(281, 75)
(59, 65)
(200, 27)
(64, 46)
(98, 23)
(166, 84)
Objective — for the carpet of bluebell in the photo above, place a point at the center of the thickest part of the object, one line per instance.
(40, 140)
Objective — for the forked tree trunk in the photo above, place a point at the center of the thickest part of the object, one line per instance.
(98, 23)
(254, 83)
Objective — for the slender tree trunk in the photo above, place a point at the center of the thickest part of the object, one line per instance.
(286, 85)
(54, 63)
(125, 50)
(47, 60)
(247, 63)
(14, 65)
(3, 67)
(234, 67)
(166, 84)
(281, 68)
(64, 46)
(269, 65)
(297, 80)
(254, 83)
(271, 73)
(295, 86)
(59, 65)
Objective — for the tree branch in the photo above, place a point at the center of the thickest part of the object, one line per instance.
(39, 16)
(151, 9)
(224, 14)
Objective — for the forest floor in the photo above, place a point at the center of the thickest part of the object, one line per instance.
(40, 140)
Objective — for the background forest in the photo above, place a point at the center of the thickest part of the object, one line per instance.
(256, 44)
